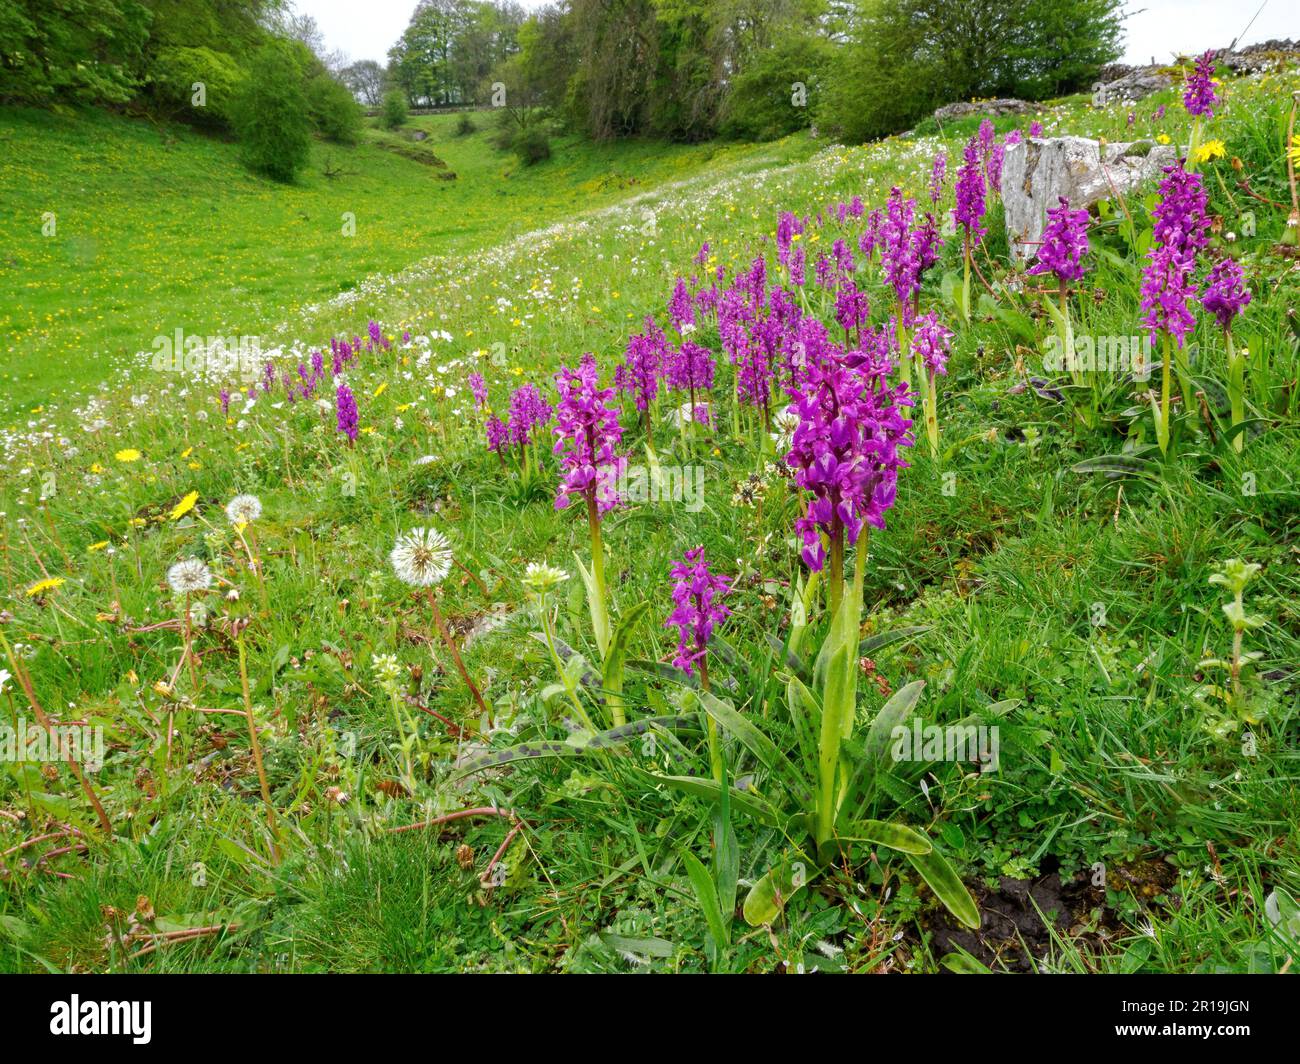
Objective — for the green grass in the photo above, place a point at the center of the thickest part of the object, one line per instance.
(1114, 755)
(158, 229)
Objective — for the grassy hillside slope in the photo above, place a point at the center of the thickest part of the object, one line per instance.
(1126, 801)
(157, 229)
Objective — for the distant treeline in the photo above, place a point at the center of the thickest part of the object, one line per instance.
(694, 69)
(680, 69)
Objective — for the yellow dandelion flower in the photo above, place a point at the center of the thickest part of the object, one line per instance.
(98, 546)
(1211, 149)
(184, 506)
(380, 390)
(1163, 138)
(42, 586)
(127, 454)
(1294, 153)
(187, 452)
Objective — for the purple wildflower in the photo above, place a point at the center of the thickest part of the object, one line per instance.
(698, 608)
(938, 173)
(897, 254)
(845, 449)
(1198, 94)
(498, 436)
(680, 309)
(969, 211)
(528, 412)
(1226, 294)
(932, 342)
(1065, 242)
(479, 387)
(587, 435)
(345, 409)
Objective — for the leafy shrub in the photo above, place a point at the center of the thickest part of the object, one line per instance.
(776, 91)
(393, 112)
(271, 115)
(88, 52)
(465, 126)
(334, 110)
(532, 146)
(176, 72)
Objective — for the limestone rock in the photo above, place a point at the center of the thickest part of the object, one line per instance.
(981, 107)
(1038, 171)
(1136, 85)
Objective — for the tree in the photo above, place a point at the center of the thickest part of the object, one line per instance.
(366, 80)
(908, 56)
(88, 51)
(394, 110)
(778, 89)
(271, 116)
(334, 110)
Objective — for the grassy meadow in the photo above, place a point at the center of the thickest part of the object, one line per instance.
(1047, 571)
(159, 228)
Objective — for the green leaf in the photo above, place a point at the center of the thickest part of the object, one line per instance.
(664, 672)
(759, 744)
(892, 714)
(947, 886)
(885, 833)
(616, 658)
(576, 743)
(897, 635)
(645, 947)
(1123, 464)
(599, 621)
(711, 790)
(707, 894)
(768, 897)
(963, 964)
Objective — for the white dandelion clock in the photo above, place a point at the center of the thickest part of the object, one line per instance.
(189, 576)
(243, 508)
(422, 557)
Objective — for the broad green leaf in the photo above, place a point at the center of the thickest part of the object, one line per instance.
(707, 894)
(711, 790)
(893, 713)
(599, 619)
(576, 743)
(963, 964)
(835, 704)
(947, 886)
(645, 947)
(617, 657)
(1125, 464)
(897, 635)
(769, 895)
(759, 744)
(885, 833)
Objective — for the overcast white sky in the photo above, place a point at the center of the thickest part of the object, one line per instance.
(366, 29)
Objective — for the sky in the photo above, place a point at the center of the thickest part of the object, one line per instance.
(366, 29)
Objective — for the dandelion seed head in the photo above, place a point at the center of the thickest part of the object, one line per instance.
(422, 557)
(188, 576)
(243, 508)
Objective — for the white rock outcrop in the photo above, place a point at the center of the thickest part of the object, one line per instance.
(1038, 171)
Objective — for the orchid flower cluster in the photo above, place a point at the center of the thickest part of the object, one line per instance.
(697, 609)
(846, 454)
(587, 437)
